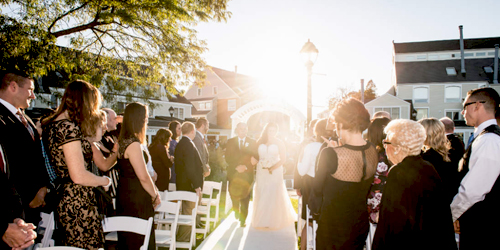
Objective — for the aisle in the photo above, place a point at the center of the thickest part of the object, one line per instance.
(230, 236)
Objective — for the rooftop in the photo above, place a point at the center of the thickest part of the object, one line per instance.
(444, 45)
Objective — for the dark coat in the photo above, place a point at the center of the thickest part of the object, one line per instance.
(11, 207)
(446, 170)
(240, 182)
(413, 212)
(188, 166)
(162, 164)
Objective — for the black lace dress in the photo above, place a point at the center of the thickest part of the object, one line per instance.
(132, 200)
(77, 210)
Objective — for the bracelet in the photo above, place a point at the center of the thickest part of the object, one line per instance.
(110, 182)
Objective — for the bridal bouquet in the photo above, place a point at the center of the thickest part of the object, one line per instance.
(266, 163)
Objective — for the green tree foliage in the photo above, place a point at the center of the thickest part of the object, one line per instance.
(129, 43)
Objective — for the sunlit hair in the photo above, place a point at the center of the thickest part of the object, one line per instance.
(449, 125)
(320, 130)
(161, 137)
(187, 127)
(375, 132)
(201, 121)
(103, 119)
(134, 122)
(407, 135)
(436, 137)
(82, 101)
(172, 126)
(351, 114)
(8, 76)
(264, 136)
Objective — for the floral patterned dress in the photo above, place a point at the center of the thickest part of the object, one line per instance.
(375, 194)
(77, 209)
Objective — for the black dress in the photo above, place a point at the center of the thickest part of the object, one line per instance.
(413, 212)
(161, 164)
(343, 179)
(446, 171)
(132, 200)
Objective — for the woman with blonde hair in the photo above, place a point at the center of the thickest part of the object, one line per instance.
(414, 213)
(436, 150)
(66, 133)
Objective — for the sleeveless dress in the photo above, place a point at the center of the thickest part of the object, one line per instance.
(77, 209)
(132, 200)
(272, 208)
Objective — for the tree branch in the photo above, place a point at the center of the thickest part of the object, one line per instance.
(65, 14)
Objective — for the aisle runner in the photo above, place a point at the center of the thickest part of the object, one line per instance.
(230, 236)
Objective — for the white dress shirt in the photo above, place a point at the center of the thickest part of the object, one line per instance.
(11, 108)
(484, 169)
(241, 142)
(308, 163)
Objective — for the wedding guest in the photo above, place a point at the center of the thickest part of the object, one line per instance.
(137, 195)
(343, 179)
(103, 158)
(380, 114)
(175, 128)
(66, 133)
(161, 160)
(414, 213)
(456, 152)
(474, 208)
(306, 169)
(297, 178)
(18, 137)
(50, 169)
(375, 135)
(436, 149)
(109, 145)
(202, 126)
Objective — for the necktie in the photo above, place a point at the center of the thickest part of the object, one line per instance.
(25, 123)
(471, 138)
(241, 144)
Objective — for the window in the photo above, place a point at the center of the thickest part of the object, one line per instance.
(421, 94)
(199, 92)
(394, 111)
(201, 106)
(455, 115)
(451, 71)
(481, 85)
(491, 53)
(208, 105)
(481, 54)
(421, 57)
(120, 107)
(433, 57)
(204, 105)
(468, 54)
(231, 105)
(444, 56)
(409, 58)
(215, 90)
(452, 93)
(422, 113)
(179, 113)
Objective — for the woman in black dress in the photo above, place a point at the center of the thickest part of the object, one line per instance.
(137, 196)
(414, 213)
(175, 128)
(343, 179)
(162, 161)
(66, 133)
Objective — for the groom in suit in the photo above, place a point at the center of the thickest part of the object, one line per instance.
(25, 165)
(188, 167)
(240, 171)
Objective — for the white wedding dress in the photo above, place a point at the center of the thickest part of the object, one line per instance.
(272, 208)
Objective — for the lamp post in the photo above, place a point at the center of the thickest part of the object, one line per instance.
(309, 54)
(171, 110)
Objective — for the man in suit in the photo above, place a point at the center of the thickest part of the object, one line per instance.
(189, 170)
(16, 234)
(240, 171)
(21, 143)
(202, 126)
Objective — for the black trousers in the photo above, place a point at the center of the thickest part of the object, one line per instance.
(240, 206)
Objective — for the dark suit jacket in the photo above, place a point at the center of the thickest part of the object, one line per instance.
(26, 169)
(457, 149)
(161, 164)
(236, 156)
(187, 166)
(202, 150)
(11, 207)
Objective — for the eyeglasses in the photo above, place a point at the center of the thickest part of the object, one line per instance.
(469, 103)
(386, 142)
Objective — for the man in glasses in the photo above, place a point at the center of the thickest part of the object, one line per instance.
(474, 207)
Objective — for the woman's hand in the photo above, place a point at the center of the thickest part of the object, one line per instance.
(331, 143)
(254, 161)
(156, 200)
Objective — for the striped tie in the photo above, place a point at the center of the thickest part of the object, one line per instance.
(25, 123)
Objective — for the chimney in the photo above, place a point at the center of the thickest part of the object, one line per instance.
(462, 56)
(495, 70)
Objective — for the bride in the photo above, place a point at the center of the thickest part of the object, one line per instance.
(272, 208)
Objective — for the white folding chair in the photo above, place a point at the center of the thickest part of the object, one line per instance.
(369, 238)
(166, 237)
(311, 230)
(204, 211)
(171, 187)
(48, 224)
(216, 186)
(186, 220)
(128, 224)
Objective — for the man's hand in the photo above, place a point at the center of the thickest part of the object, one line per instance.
(241, 168)
(39, 200)
(198, 192)
(456, 225)
(206, 174)
(298, 192)
(19, 234)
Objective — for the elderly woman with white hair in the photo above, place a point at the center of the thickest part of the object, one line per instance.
(414, 213)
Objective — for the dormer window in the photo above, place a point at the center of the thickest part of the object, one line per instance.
(451, 71)
(488, 70)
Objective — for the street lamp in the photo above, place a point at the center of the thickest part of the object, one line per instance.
(309, 54)
(171, 110)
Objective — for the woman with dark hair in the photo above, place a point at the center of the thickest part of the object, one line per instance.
(376, 135)
(66, 133)
(343, 179)
(175, 128)
(162, 161)
(137, 195)
(272, 208)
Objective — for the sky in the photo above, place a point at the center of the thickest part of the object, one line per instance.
(354, 38)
